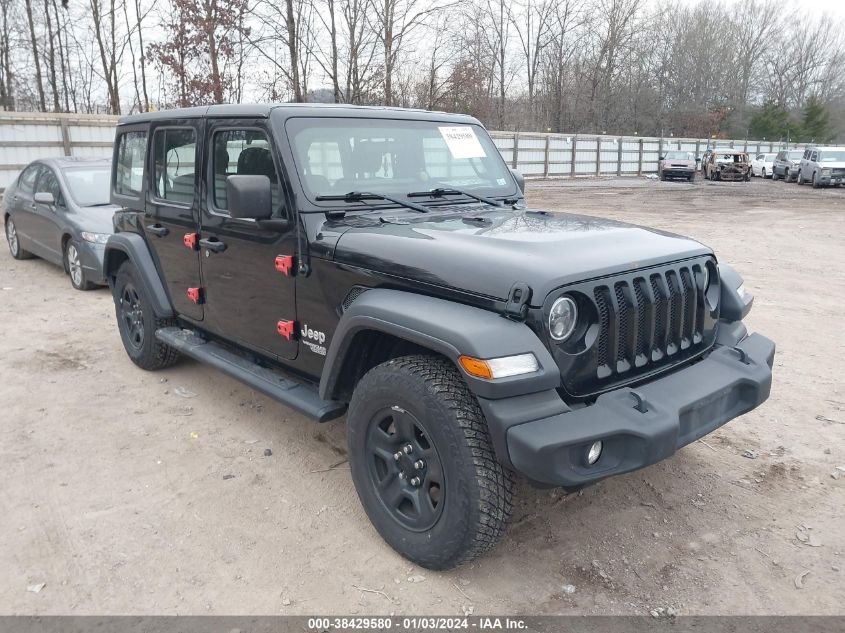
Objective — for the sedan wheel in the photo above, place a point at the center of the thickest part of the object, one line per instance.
(14, 241)
(73, 264)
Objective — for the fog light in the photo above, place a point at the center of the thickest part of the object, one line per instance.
(594, 453)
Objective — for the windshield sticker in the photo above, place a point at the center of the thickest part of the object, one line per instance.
(462, 142)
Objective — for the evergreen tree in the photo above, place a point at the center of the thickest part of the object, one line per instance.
(770, 122)
(815, 122)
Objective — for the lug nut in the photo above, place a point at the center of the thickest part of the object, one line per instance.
(419, 464)
(401, 475)
(408, 448)
(415, 481)
(397, 455)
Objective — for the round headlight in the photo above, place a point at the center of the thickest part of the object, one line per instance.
(562, 318)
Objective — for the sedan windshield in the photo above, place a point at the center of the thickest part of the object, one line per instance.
(679, 156)
(89, 186)
(336, 156)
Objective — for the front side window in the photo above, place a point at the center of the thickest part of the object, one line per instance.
(48, 183)
(26, 183)
(242, 152)
(335, 156)
(174, 158)
(129, 173)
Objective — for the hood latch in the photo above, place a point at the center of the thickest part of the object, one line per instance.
(516, 308)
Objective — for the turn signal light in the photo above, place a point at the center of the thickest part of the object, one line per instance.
(502, 367)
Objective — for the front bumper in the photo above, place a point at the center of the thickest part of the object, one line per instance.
(678, 172)
(91, 257)
(678, 409)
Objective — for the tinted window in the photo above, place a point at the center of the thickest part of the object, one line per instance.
(244, 152)
(131, 153)
(26, 182)
(48, 183)
(89, 186)
(174, 155)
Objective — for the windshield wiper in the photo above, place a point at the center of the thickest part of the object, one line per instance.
(363, 196)
(440, 192)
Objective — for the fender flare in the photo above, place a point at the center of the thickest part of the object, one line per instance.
(133, 247)
(448, 328)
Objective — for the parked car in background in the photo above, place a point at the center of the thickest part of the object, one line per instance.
(58, 209)
(726, 164)
(762, 165)
(677, 164)
(822, 166)
(785, 161)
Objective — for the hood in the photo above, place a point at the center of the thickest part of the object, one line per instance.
(94, 219)
(680, 162)
(834, 164)
(485, 251)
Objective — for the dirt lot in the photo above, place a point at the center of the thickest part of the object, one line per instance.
(122, 495)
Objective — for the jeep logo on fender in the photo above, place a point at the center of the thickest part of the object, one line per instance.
(314, 335)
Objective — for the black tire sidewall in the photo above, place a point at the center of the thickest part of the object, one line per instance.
(145, 355)
(437, 547)
(84, 285)
(17, 255)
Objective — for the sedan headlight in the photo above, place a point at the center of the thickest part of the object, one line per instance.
(562, 319)
(95, 238)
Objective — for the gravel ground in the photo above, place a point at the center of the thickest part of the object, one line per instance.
(134, 492)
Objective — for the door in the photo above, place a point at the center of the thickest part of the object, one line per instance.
(23, 208)
(171, 219)
(46, 230)
(247, 297)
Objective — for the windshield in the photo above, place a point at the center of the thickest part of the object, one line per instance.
(89, 186)
(730, 158)
(338, 156)
(679, 156)
(826, 156)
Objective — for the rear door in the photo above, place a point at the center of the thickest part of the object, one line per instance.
(22, 208)
(171, 219)
(247, 296)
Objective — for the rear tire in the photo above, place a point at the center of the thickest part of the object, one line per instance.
(138, 323)
(774, 175)
(800, 178)
(14, 241)
(423, 463)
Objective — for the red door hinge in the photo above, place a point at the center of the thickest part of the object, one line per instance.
(195, 295)
(190, 240)
(284, 264)
(286, 329)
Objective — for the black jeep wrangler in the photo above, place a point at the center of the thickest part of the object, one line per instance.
(383, 261)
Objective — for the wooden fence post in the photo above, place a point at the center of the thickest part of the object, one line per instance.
(515, 159)
(619, 156)
(546, 159)
(65, 136)
(640, 160)
(574, 156)
(598, 156)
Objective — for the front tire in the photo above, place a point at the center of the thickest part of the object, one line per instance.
(73, 266)
(815, 181)
(137, 322)
(423, 463)
(14, 241)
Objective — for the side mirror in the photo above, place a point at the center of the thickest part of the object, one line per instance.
(249, 197)
(44, 197)
(661, 158)
(520, 180)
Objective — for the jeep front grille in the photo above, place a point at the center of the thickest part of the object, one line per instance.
(645, 321)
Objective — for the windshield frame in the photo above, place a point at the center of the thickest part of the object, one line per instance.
(510, 189)
(66, 170)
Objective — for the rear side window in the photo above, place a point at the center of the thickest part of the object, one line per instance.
(174, 157)
(131, 153)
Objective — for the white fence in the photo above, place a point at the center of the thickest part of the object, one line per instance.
(25, 137)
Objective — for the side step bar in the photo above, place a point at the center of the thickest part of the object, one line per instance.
(302, 398)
